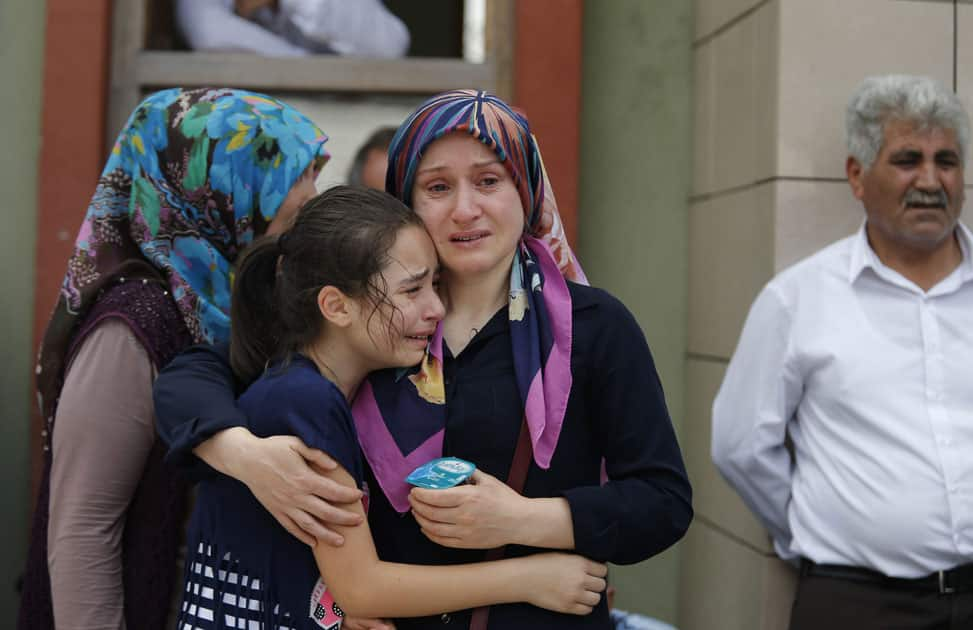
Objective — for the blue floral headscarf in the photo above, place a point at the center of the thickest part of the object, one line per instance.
(192, 178)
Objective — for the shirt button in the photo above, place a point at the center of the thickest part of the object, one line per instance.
(445, 618)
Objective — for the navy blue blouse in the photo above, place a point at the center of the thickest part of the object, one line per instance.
(616, 412)
(242, 565)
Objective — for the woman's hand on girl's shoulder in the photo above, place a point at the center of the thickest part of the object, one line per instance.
(564, 583)
(281, 473)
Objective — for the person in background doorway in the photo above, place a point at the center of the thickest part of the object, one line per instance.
(368, 167)
(293, 28)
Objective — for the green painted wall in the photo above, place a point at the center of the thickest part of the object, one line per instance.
(636, 141)
(21, 71)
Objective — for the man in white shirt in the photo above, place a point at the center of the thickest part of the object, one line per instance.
(862, 356)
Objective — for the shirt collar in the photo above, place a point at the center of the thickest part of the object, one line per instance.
(863, 256)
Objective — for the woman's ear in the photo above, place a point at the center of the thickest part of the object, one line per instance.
(336, 307)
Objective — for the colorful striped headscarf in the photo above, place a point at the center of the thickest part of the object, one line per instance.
(401, 421)
(192, 175)
(507, 133)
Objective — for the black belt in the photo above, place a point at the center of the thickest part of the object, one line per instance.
(956, 580)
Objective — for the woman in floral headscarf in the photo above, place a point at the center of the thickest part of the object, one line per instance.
(194, 176)
(533, 376)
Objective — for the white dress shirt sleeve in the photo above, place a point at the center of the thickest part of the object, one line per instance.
(759, 395)
(211, 25)
(363, 28)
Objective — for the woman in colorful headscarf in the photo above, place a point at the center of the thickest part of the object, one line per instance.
(532, 376)
(194, 176)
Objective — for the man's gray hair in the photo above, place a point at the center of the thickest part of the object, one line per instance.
(920, 100)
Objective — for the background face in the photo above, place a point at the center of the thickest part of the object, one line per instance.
(373, 172)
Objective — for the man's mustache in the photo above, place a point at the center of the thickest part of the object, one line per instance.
(916, 197)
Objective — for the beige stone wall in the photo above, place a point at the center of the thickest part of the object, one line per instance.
(772, 78)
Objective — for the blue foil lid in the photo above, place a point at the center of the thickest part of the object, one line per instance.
(444, 472)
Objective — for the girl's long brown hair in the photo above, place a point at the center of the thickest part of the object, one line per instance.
(340, 238)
